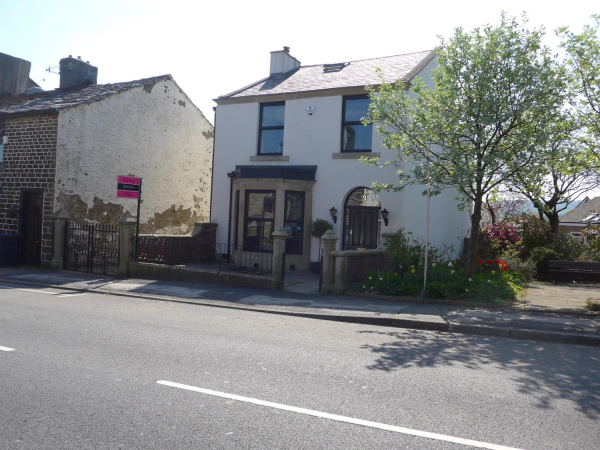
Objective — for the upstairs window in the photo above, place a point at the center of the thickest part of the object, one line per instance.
(356, 137)
(270, 134)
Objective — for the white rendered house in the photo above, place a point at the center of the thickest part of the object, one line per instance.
(286, 153)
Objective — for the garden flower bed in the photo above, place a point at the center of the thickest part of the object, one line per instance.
(492, 283)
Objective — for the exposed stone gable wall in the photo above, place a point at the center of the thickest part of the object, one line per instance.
(29, 162)
(153, 132)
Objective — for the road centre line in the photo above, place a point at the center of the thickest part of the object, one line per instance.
(6, 349)
(323, 415)
(63, 295)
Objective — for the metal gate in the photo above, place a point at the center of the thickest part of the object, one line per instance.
(91, 248)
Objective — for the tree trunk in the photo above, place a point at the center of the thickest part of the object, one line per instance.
(554, 221)
(491, 210)
(471, 253)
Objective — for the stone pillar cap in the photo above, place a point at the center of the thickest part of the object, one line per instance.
(329, 236)
(61, 214)
(280, 234)
(127, 218)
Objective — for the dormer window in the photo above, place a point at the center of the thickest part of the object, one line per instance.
(270, 133)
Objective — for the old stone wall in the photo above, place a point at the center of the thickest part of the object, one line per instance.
(154, 132)
(29, 163)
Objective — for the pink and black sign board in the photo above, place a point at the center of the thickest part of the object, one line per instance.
(128, 187)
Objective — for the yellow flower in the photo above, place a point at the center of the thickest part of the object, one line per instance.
(493, 272)
(413, 271)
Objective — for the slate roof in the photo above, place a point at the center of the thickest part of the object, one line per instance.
(49, 101)
(354, 74)
(582, 211)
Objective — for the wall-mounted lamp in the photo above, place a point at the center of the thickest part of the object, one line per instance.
(384, 216)
(333, 213)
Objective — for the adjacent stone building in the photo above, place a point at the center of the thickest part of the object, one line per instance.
(66, 148)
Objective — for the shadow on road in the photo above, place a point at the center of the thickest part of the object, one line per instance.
(547, 372)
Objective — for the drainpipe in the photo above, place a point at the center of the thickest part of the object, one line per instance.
(231, 176)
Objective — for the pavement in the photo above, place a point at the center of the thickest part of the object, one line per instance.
(565, 296)
(536, 323)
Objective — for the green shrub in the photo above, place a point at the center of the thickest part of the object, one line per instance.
(408, 252)
(540, 257)
(435, 289)
(569, 247)
(525, 269)
(317, 229)
(534, 232)
(591, 253)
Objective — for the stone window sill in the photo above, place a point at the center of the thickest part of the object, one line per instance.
(353, 155)
(270, 158)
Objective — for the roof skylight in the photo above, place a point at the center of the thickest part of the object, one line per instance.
(334, 67)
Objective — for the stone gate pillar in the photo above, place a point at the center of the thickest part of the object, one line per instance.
(126, 243)
(279, 237)
(60, 218)
(329, 239)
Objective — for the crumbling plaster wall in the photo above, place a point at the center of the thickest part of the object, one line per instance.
(153, 132)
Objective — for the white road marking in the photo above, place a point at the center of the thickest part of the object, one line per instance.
(58, 294)
(6, 349)
(28, 290)
(323, 415)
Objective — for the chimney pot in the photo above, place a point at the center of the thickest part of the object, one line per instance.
(286, 49)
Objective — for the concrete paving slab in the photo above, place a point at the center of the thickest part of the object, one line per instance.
(562, 297)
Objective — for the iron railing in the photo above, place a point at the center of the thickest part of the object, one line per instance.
(174, 250)
(239, 259)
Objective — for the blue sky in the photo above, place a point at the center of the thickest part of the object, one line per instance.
(212, 48)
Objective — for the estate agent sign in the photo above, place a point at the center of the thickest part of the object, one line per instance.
(128, 187)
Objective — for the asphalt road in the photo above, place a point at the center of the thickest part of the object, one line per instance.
(84, 370)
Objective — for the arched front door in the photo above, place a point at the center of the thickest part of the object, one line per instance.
(361, 219)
